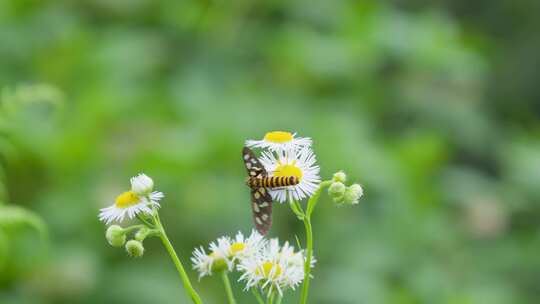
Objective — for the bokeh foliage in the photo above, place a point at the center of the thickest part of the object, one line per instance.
(431, 105)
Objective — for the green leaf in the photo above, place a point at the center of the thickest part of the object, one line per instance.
(312, 202)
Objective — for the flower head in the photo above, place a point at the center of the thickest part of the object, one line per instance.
(280, 141)
(226, 252)
(242, 247)
(140, 199)
(300, 163)
(206, 264)
(275, 268)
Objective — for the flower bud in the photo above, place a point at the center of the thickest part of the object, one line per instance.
(353, 194)
(340, 176)
(142, 184)
(116, 236)
(135, 248)
(142, 234)
(338, 199)
(336, 189)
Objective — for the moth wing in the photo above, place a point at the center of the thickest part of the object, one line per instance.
(261, 204)
(253, 165)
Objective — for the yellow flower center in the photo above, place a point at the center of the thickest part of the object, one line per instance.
(126, 199)
(278, 136)
(288, 170)
(237, 247)
(267, 268)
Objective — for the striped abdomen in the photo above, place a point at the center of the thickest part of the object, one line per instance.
(273, 181)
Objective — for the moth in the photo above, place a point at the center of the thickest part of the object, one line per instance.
(259, 182)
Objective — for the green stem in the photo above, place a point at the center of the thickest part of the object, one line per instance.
(307, 264)
(312, 202)
(147, 223)
(179, 267)
(297, 209)
(270, 298)
(228, 289)
(279, 299)
(257, 295)
(132, 228)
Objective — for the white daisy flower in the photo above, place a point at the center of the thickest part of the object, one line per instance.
(221, 248)
(205, 264)
(242, 248)
(275, 268)
(300, 163)
(140, 199)
(279, 141)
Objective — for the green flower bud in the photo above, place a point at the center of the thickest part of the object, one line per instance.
(353, 194)
(116, 236)
(357, 189)
(340, 176)
(338, 199)
(135, 248)
(142, 234)
(336, 189)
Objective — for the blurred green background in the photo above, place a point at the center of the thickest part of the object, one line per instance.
(432, 105)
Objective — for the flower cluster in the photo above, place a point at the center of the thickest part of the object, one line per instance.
(274, 268)
(225, 252)
(117, 237)
(141, 200)
(342, 194)
(263, 264)
(284, 154)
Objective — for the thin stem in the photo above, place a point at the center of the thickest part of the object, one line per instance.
(279, 299)
(296, 208)
(147, 223)
(257, 295)
(228, 289)
(270, 298)
(179, 267)
(307, 264)
(312, 202)
(132, 228)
